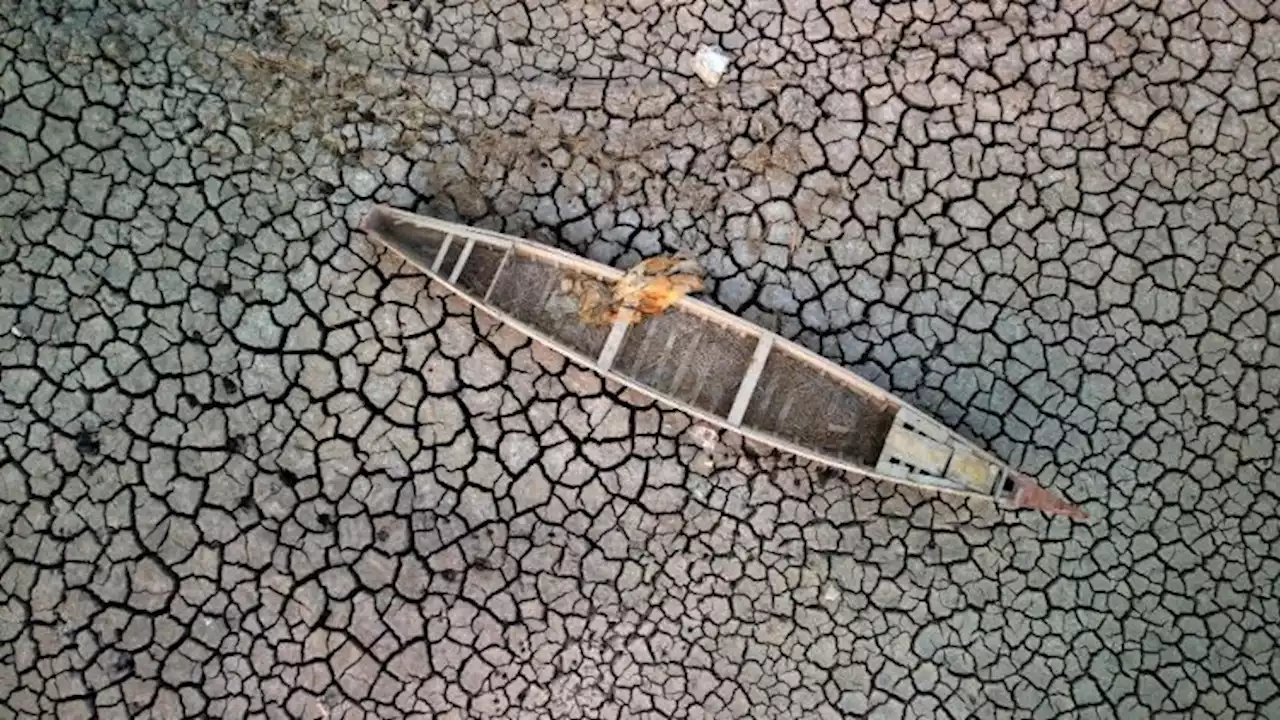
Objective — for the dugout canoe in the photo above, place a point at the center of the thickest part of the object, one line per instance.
(710, 364)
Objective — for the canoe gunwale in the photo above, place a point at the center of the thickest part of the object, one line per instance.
(1000, 492)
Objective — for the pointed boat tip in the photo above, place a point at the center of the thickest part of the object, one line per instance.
(373, 217)
(1028, 495)
(381, 222)
(1072, 512)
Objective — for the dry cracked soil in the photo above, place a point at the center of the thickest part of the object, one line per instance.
(253, 466)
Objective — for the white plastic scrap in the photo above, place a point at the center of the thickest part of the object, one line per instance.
(710, 64)
(831, 594)
(703, 464)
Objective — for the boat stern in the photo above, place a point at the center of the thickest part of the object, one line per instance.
(920, 451)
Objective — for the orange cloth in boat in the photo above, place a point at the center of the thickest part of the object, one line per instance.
(645, 290)
(656, 284)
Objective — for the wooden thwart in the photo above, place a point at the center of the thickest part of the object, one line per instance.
(614, 342)
(749, 381)
(501, 264)
(462, 261)
(444, 250)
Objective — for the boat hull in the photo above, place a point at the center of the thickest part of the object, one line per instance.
(708, 363)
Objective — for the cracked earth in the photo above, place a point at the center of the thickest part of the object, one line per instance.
(252, 466)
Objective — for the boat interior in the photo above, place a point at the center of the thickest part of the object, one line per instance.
(698, 358)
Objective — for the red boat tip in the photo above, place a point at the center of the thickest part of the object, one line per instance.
(1027, 494)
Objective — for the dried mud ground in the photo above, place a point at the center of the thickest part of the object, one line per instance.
(250, 466)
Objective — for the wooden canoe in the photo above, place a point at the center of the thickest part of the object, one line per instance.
(710, 364)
